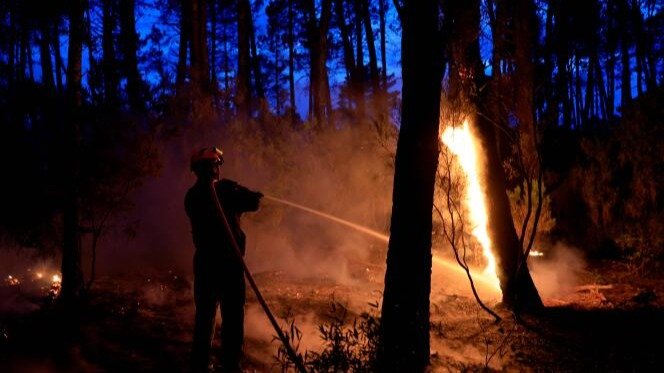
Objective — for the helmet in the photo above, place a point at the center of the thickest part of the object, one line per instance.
(213, 155)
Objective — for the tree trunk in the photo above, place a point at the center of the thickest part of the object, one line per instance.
(291, 63)
(321, 105)
(405, 311)
(371, 45)
(129, 45)
(199, 65)
(358, 85)
(255, 62)
(382, 9)
(183, 49)
(213, 46)
(72, 274)
(349, 56)
(626, 70)
(551, 100)
(45, 55)
(109, 63)
(13, 41)
(58, 56)
(243, 85)
(518, 289)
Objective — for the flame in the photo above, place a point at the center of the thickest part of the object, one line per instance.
(56, 285)
(461, 142)
(535, 253)
(12, 281)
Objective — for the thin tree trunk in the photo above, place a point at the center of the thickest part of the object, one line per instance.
(349, 57)
(109, 63)
(255, 62)
(22, 48)
(360, 78)
(320, 103)
(58, 56)
(183, 48)
(626, 70)
(13, 41)
(371, 45)
(291, 63)
(243, 85)
(382, 9)
(72, 274)
(277, 64)
(224, 40)
(213, 45)
(129, 45)
(405, 311)
(95, 83)
(45, 55)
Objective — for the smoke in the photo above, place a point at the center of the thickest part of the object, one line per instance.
(558, 272)
(257, 328)
(345, 171)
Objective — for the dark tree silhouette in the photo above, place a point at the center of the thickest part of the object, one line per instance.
(405, 312)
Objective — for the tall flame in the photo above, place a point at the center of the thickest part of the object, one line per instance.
(461, 142)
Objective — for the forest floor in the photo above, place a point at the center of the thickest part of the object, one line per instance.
(611, 321)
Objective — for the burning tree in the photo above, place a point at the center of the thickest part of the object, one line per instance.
(468, 95)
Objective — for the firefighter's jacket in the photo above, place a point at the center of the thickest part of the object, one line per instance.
(209, 234)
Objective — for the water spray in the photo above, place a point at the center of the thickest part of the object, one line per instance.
(357, 227)
(380, 236)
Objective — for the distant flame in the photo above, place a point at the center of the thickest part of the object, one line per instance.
(56, 285)
(12, 281)
(462, 143)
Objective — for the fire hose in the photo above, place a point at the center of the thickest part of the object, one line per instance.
(289, 349)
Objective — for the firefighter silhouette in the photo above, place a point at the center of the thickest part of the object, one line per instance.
(218, 271)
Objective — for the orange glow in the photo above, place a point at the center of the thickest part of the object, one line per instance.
(464, 146)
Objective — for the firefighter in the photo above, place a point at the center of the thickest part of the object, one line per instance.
(218, 271)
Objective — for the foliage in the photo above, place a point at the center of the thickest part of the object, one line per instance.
(518, 201)
(620, 183)
(347, 347)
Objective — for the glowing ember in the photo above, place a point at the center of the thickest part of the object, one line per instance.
(535, 253)
(12, 281)
(462, 143)
(40, 275)
(56, 284)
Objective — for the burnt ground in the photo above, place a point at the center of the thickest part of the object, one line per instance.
(611, 321)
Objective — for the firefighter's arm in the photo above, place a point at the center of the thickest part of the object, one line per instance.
(242, 198)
